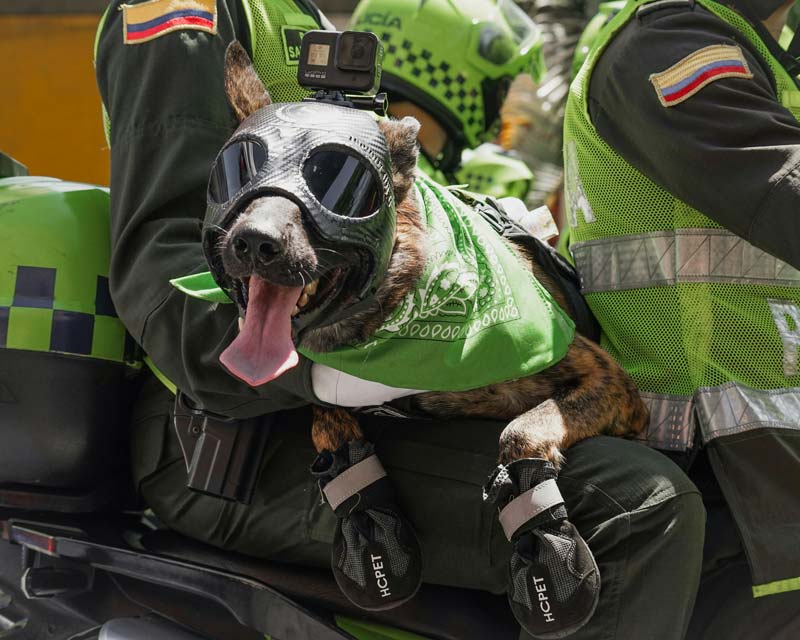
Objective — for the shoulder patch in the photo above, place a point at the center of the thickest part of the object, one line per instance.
(150, 20)
(682, 80)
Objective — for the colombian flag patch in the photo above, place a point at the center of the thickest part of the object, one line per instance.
(150, 20)
(682, 80)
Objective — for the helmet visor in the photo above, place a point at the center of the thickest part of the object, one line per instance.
(235, 168)
(343, 183)
(509, 32)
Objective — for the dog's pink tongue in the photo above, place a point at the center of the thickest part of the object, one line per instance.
(264, 349)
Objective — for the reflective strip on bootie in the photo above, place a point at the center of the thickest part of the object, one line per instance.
(353, 480)
(528, 505)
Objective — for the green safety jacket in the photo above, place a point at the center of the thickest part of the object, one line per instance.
(707, 324)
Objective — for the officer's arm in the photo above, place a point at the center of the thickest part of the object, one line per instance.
(169, 117)
(730, 150)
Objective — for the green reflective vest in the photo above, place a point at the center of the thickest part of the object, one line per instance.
(276, 29)
(707, 324)
(684, 304)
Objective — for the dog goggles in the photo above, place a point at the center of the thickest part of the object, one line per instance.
(334, 163)
(341, 181)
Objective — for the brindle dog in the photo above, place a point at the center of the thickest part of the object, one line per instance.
(583, 395)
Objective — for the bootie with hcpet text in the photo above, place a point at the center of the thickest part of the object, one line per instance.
(553, 582)
(376, 556)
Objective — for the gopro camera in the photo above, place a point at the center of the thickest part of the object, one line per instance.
(340, 61)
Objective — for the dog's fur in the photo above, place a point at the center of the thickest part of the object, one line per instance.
(583, 395)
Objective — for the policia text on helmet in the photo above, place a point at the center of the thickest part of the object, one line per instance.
(456, 85)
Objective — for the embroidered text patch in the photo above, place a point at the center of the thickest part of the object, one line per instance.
(695, 71)
(150, 20)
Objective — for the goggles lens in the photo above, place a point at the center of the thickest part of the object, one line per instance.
(235, 168)
(342, 183)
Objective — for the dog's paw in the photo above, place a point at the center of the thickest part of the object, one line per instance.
(553, 582)
(376, 556)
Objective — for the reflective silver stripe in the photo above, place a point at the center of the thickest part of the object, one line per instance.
(734, 408)
(573, 188)
(720, 411)
(528, 505)
(352, 480)
(671, 427)
(667, 257)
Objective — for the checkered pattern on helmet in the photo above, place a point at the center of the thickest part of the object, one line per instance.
(405, 59)
(38, 320)
(480, 182)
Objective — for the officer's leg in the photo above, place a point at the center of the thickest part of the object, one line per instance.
(644, 521)
(725, 605)
(277, 523)
(640, 515)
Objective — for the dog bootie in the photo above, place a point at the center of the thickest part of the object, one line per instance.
(376, 557)
(553, 583)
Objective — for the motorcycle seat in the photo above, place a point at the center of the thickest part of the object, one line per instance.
(448, 613)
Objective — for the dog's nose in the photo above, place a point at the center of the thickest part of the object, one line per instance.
(254, 246)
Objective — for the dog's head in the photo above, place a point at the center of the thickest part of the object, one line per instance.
(301, 223)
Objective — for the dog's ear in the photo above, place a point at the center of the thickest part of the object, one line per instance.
(401, 137)
(246, 92)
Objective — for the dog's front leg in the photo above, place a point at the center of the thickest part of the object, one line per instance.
(376, 557)
(333, 427)
(554, 582)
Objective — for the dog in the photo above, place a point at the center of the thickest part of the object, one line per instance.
(584, 394)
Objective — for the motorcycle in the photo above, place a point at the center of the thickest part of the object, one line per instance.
(80, 558)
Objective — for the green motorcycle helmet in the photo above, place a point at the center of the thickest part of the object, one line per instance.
(64, 354)
(454, 58)
(54, 269)
(494, 171)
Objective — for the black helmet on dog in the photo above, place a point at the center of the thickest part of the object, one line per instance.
(334, 163)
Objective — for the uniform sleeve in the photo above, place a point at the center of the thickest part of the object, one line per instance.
(730, 150)
(169, 116)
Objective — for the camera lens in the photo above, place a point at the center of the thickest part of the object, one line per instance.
(357, 51)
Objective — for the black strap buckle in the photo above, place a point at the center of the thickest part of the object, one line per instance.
(222, 454)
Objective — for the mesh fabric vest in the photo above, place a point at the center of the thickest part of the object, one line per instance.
(276, 28)
(703, 321)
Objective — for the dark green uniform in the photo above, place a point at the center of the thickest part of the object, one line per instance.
(169, 117)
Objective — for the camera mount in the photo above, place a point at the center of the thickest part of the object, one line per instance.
(343, 68)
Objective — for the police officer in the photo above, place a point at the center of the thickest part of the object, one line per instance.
(682, 146)
(160, 70)
(456, 85)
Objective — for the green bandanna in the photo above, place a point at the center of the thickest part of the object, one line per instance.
(476, 317)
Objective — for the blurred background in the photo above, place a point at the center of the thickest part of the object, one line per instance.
(46, 47)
